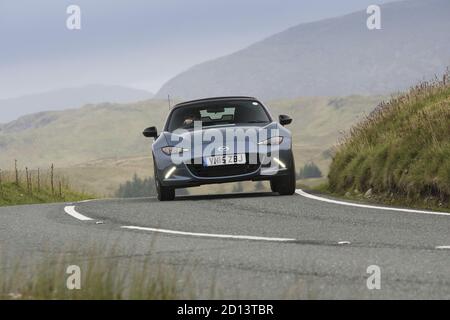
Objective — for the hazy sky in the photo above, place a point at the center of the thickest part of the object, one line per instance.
(139, 43)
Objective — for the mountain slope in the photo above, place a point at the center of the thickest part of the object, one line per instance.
(401, 151)
(11, 109)
(333, 57)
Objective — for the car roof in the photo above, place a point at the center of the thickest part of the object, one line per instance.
(214, 99)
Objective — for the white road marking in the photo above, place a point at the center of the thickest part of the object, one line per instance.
(88, 200)
(443, 247)
(70, 210)
(209, 235)
(310, 196)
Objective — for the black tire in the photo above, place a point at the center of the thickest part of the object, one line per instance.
(273, 185)
(284, 185)
(163, 193)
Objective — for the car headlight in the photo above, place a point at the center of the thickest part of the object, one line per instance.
(272, 141)
(173, 150)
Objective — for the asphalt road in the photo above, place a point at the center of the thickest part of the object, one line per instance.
(254, 246)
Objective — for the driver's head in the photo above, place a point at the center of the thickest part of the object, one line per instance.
(190, 118)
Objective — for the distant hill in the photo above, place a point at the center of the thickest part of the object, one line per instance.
(401, 153)
(11, 109)
(333, 57)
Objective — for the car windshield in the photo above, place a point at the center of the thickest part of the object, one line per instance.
(218, 113)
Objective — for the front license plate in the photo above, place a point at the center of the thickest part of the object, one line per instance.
(225, 160)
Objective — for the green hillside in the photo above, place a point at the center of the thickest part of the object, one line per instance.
(401, 152)
(101, 146)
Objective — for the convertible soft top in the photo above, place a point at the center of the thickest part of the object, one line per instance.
(214, 99)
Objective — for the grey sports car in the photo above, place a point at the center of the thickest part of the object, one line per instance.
(220, 140)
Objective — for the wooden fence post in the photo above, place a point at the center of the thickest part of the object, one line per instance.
(51, 179)
(17, 172)
(31, 182)
(38, 180)
(28, 181)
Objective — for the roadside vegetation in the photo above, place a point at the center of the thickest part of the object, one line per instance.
(31, 186)
(309, 170)
(106, 274)
(137, 187)
(401, 152)
(103, 276)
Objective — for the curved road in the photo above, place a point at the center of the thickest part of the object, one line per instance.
(253, 245)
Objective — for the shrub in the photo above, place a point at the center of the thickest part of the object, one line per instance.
(137, 187)
(309, 170)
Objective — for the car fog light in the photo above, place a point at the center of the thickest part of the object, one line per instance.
(169, 173)
(280, 163)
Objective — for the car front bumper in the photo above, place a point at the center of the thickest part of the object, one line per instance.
(182, 175)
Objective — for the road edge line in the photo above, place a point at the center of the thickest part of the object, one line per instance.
(70, 210)
(351, 204)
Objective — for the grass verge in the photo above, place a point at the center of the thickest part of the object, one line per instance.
(102, 277)
(12, 194)
(373, 199)
(400, 154)
(18, 187)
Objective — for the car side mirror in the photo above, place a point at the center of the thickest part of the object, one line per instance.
(284, 119)
(150, 132)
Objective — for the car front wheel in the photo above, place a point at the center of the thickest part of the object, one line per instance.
(164, 193)
(284, 185)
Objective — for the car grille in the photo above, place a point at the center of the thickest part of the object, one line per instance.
(223, 171)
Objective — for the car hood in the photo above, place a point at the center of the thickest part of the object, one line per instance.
(221, 139)
(236, 133)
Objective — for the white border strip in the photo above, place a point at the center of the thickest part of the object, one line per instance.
(88, 200)
(70, 210)
(209, 235)
(310, 196)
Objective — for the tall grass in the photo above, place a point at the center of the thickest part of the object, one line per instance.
(25, 186)
(104, 276)
(401, 150)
